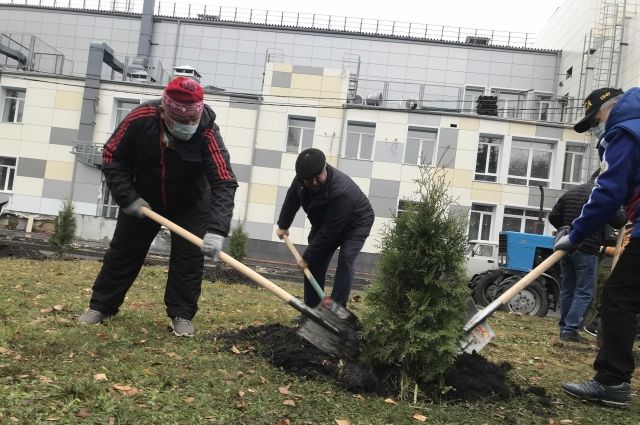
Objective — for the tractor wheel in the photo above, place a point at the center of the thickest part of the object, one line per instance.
(485, 287)
(531, 301)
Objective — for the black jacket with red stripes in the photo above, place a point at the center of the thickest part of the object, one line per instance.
(142, 160)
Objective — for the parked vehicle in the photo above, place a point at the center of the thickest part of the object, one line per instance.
(518, 254)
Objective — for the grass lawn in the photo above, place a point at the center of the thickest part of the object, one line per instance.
(133, 371)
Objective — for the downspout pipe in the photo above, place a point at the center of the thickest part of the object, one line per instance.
(253, 154)
(141, 61)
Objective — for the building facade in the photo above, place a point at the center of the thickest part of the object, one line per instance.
(378, 105)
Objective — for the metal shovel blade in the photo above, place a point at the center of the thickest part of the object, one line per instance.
(333, 330)
(479, 336)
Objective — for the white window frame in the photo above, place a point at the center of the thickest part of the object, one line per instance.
(532, 181)
(108, 206)
(305, 125)
(484, 212)
(542, 100)
(505, 105)
(524, 217)
(421, 158)
(20, 101)
(117, 106)
(491, 177)
(469, 106)
(583, 169)
(369, 125)
(7, 185)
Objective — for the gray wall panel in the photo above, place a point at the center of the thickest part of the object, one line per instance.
(383, 207)
(267, 158)
(551, 132)
(384, 188)
(29, 167)
(63, 136)
(242, 172)
(56, 189)
(356, 168)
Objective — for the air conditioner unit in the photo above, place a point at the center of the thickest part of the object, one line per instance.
(187, 71)
(374, 99)
(357, 100)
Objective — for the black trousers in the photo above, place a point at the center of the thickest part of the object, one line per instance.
(127, 252)
(614, 363)
(349, 250)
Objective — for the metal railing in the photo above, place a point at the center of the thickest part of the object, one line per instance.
(88, 153)
(299, 20)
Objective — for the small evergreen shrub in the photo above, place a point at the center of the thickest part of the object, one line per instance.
(238, 242)
(415, 308)
(64, 230)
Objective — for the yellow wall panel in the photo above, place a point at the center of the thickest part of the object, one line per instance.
(37, 150)
(68, 100)
(462, 178)
(516, 129)
(263, 194)
(489, 196)
(472, 124)
(306, 82)
(58, 170)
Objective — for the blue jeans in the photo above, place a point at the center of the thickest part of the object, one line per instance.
(579, 276)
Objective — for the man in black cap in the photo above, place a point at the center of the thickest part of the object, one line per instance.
(340, 215)
(614, 118)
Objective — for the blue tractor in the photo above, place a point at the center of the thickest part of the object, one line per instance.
(518, 254)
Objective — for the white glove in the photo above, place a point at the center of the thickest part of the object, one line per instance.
(135, 208)
(212, 244)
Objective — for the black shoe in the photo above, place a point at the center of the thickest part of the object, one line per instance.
(610, 395)
(572, 336)
(591, 330)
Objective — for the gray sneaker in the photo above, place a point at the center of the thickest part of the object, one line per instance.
(610, 395)
(93, 317)
(182, 327)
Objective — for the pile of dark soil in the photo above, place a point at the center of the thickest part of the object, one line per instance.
(16, 251)
(471, 378)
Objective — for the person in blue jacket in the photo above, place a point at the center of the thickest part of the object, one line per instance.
(614, 118)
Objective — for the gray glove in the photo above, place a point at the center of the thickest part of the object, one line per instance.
(212, 244)
(562, 241)
(135, 208)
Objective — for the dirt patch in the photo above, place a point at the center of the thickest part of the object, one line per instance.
(471, 378)
(16, 251)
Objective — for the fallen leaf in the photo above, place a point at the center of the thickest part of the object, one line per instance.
(45, 379)
(112, 420)
(52, 419)
(100, 377)
(265, 380)
(144, 330)
(284, 390)
(566, 421)
(358, 396)
(83, 413)
(283, 421)
(343, 422)
(241, 404)
(125, 389)
(241, 394)
(235, 349)
(390, 401)
(419, 417)
(47, 310)
(289, 403)
(58, 307)
(189, 400)
(4, 350)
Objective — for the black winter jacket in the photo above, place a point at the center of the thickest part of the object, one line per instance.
(142, 160)
(569, 207)
(338, 211)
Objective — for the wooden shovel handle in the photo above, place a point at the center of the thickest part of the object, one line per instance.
(306, 270)
(251, 274)
(618, 251)
(531, 276)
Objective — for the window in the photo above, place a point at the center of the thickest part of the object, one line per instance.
(7, 172)
(13, 105)
(109, 206)
(488, 158)
(523, 220)
(420, 147)
(123, 107)
(530, 163)
(574, 162)
(543, 103)
(359, 141)
(300, 134)
(480, 220)
(471, 95)
(509, 103)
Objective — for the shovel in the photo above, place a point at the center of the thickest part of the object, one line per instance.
(329, 328)
(478, 321)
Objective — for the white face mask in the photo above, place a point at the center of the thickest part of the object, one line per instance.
(598, 130)
(183, 131)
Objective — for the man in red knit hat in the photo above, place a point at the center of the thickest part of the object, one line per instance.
(166, 155)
